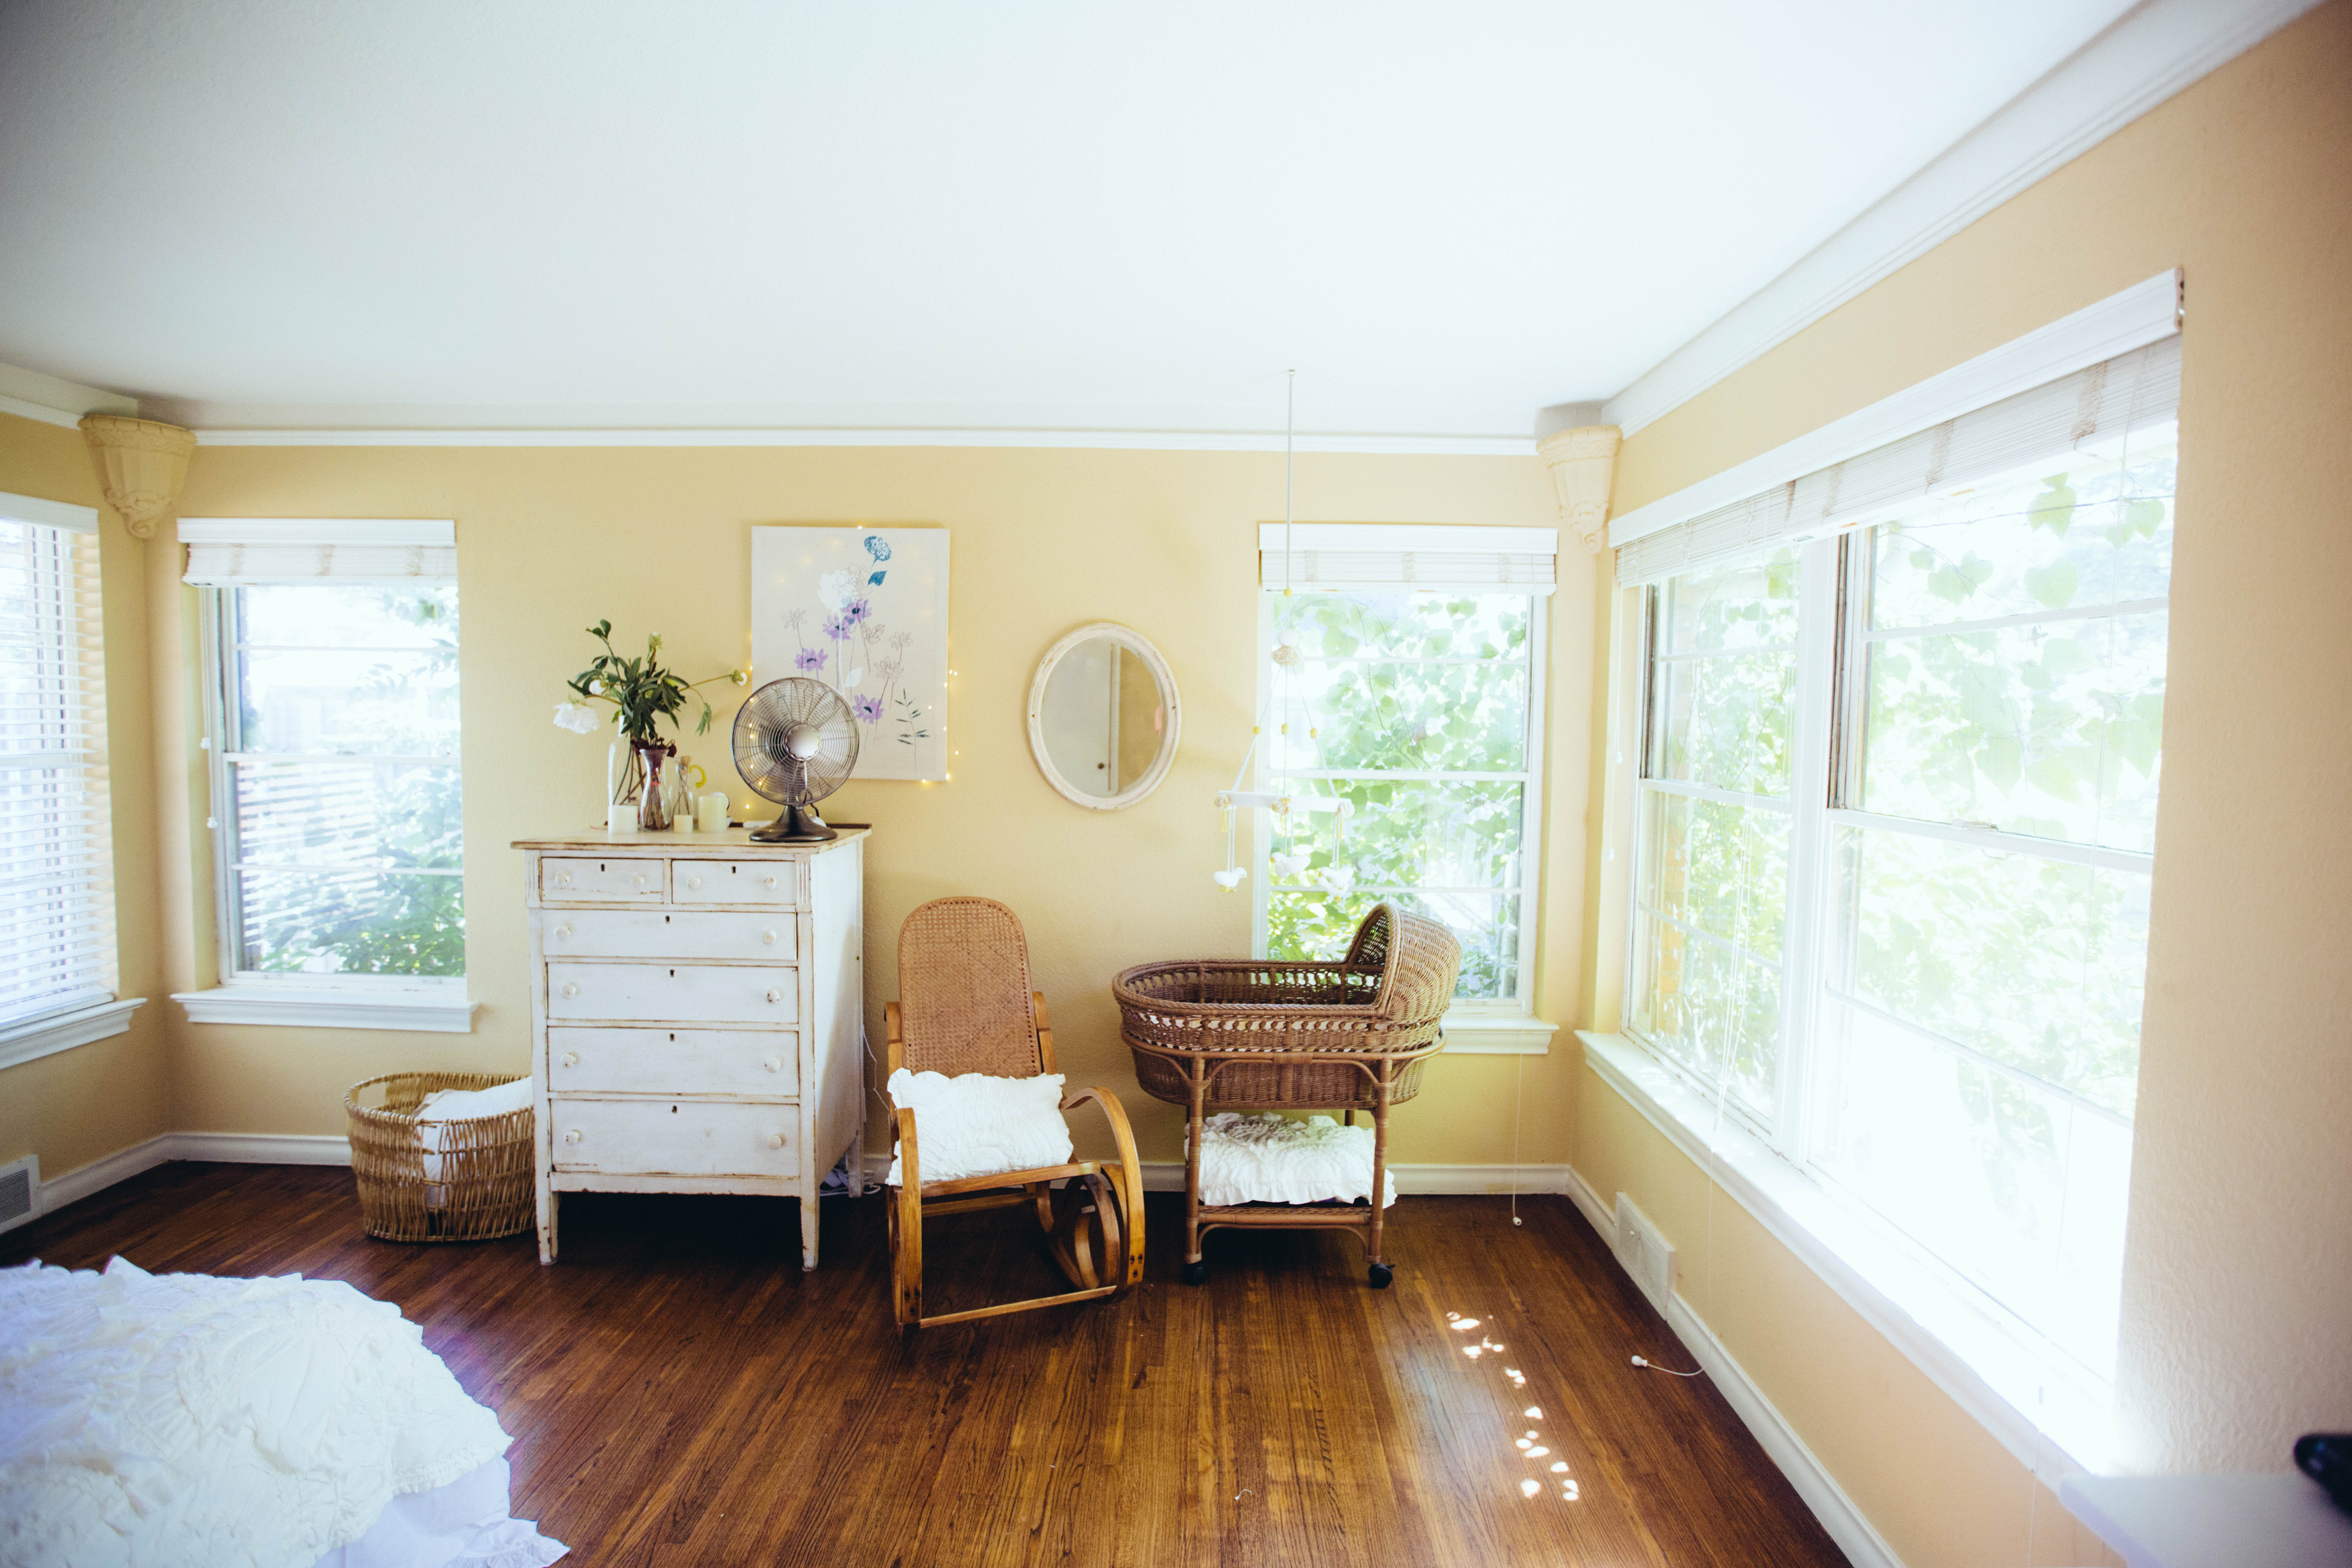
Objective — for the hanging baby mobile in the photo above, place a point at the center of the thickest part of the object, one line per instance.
(1288, 860)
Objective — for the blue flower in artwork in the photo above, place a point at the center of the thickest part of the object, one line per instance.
(868, 709)
(811, 660)
(876, 547)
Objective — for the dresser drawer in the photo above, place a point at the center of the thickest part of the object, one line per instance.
(663, 933)
(674, 1138)
(568, 879)
(731, 882)
(674, 992)
(749, 1063)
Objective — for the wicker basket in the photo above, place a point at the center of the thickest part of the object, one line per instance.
(486, 1179)
(1386, 998)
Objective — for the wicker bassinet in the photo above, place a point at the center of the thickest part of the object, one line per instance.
(485, 1178)
(1386, 998)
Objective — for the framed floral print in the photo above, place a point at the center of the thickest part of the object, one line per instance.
(865, 610)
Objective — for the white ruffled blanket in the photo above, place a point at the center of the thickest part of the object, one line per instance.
(1270, 1159)
(178, 1419)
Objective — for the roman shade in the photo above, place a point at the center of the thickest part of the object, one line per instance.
(1369, 557)
(228, 552)
(2098, 406)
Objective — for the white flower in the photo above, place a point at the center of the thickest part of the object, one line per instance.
(576, 717)
(836, 589)
(1288, 864)
(595, 689)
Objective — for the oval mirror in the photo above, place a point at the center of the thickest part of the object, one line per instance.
(1102, 716)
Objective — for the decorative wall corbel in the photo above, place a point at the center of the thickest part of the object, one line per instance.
(1583, 464)
(141, 464)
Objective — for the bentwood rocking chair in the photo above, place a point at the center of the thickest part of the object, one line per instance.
(966, 1006)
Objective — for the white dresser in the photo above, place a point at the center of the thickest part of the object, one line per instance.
(696, 1009)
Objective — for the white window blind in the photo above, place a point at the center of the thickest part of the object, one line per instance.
(57, 867)
(2093, 408)
(228, 552)
(1404, 558)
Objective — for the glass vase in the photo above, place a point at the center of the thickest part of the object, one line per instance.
(624, 786)
(653, 799)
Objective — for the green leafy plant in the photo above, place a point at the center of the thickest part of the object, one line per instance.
(641, 692)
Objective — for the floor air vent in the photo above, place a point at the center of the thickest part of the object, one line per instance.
(1643, 1252)
(20, 1187)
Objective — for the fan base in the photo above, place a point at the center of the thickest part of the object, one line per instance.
(798, 824)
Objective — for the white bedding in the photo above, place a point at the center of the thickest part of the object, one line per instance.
(1273, 1159)
(178, 1419)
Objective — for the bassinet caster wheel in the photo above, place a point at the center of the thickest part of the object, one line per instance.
(1382, 1274)
(1196, 1274)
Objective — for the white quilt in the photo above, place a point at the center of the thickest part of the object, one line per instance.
(178, 1419)
(1270, 1159)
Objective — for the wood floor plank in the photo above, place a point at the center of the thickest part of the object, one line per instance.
(680, 1393)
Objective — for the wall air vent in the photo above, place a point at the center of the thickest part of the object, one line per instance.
(1646, 1255)
(20, 1192)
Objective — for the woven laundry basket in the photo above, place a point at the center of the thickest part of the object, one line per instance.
(1386, 998)
(486, 1181)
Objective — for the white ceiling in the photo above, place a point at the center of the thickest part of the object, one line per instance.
(1001, 216)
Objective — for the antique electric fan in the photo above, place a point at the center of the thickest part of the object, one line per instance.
(795, 742)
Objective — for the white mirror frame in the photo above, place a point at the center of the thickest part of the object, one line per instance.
(1137, 644)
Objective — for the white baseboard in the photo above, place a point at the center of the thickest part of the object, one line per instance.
(230, 1148)
(1854, 1534)
(1168, 1176)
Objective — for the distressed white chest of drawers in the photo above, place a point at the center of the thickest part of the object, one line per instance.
(696, 1007)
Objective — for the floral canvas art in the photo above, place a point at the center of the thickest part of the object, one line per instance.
(865, 610)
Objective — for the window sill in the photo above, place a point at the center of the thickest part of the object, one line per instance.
(2035, 1401)
(450, 1012)
(30, 1039)
(1497, 1034)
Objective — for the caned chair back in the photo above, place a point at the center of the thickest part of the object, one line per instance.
(963, 991)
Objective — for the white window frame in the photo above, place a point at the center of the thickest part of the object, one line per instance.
(2051, 1414)
(1504, 1027)
(76, 1018)
(436, 1004)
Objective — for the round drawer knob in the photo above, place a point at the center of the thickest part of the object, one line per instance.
(769, 937)
(570, 989)
(775, 1140)
(775, 996)
(574, 1136)
(561, 932)
(692, 883)
(774, 1064)
(772, 881)
(638, 880)
(563, 879)
(572, 1058)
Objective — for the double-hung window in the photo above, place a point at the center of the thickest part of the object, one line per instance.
(333, 726)
(57, 882)
(1895, 808)
(1401, 732)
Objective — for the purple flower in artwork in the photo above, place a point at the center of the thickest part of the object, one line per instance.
(858, 611)
(868, 709)
(836, 627)
(811, 660)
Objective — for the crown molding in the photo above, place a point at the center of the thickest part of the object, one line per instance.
(2142, 58)
(1100, 440)
(31, 394)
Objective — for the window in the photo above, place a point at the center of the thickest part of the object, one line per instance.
(1406, 736)
(336, 782)
(1894, 824)
(57, 882)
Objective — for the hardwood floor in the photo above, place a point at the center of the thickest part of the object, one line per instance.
(680, 1393)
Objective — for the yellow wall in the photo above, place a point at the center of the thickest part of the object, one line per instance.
(658, 539)
(2239, 1261)
(82, 1104)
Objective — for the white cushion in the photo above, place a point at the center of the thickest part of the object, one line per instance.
(445, 1105)
(976, 1125)
(1271, 1158)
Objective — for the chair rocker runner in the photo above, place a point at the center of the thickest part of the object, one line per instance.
(966, 1006)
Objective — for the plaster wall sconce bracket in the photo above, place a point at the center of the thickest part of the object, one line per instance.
(141, 464)
(1583, 465)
